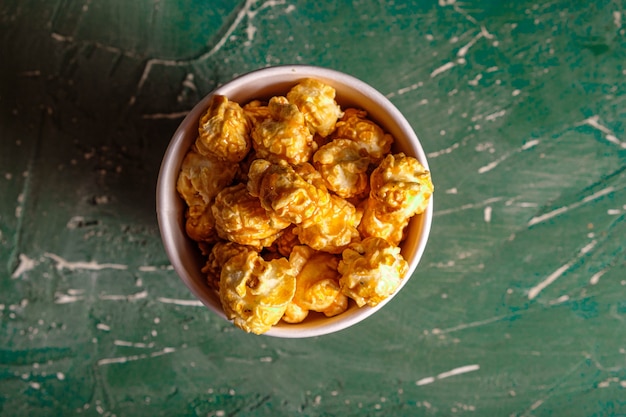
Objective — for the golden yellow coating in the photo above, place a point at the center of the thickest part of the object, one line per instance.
(356, 126)
(202, 177)
(240, 218)
(401, 183)
(254, 292)
(378, 222)
(200, 224)
(316, 101)
(283, 192)
(256, 111)
(224, 131)
(371, 271)
(317, 286)
(308, 173)
(219, 254)
(286, 242)
(400, 188)
(344, 166)
(332, 228)
(283, 135)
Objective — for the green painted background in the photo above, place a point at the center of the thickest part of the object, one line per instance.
(517, 309)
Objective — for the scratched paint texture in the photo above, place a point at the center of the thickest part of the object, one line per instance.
(517, 309)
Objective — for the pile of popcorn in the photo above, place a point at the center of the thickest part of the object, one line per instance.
(298, 205)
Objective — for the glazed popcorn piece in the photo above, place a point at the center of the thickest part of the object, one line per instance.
(202, 177)
(401, 183)
(200, 224)
(224, 131)
(240, 218)
(284, 134)
(400, 188)
(256, 111)
(316, 101)
(286, 242)
(254, 292)
(376, 222)
(371, 271)
(332, 228)
(355, 125)
(219, 254)
(344, 166)
(317, 285)
(284, 193)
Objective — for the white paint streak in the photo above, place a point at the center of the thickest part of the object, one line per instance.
(125, 359)
(25, 265)
(536, 405)
(487, 214)
(596, 277)
(67, 298)
(493, 116)
(493, 164)
(560, 210)
(469, 206)
(453, 372)
(188, 82)
(609, 135)
(425, 381)
(61, 38)
(474, 82)
(562, 299)
(444, 151)
(133, 344)
(131, 297)
(534, 291)
(530, 144)
(445, 67)
(245, 11)
(458, 371)
(148, 268)
(188, 303)
(462, 52)
(92, 265)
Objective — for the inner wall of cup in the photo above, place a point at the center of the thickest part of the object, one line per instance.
(263, 85)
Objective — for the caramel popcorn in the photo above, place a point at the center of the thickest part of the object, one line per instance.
(284, 193)
(317, 285)
(344, 167)
(219, 254)
(316, 101)
(400, 188)
(240, 218)
(355, 125)
(284, 134)
(223, 131)
(255, 293)
(371, 270)
(297, 206)
(333, 227)
(202, 177)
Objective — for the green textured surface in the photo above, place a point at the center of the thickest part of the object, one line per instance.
(517, 309)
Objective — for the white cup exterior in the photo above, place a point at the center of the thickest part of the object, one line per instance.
(263, 84)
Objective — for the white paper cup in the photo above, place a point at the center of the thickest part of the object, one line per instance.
(263, 84)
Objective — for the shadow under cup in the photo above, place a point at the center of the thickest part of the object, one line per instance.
(263, 84)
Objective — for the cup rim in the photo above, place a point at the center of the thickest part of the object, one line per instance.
(169, 203)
